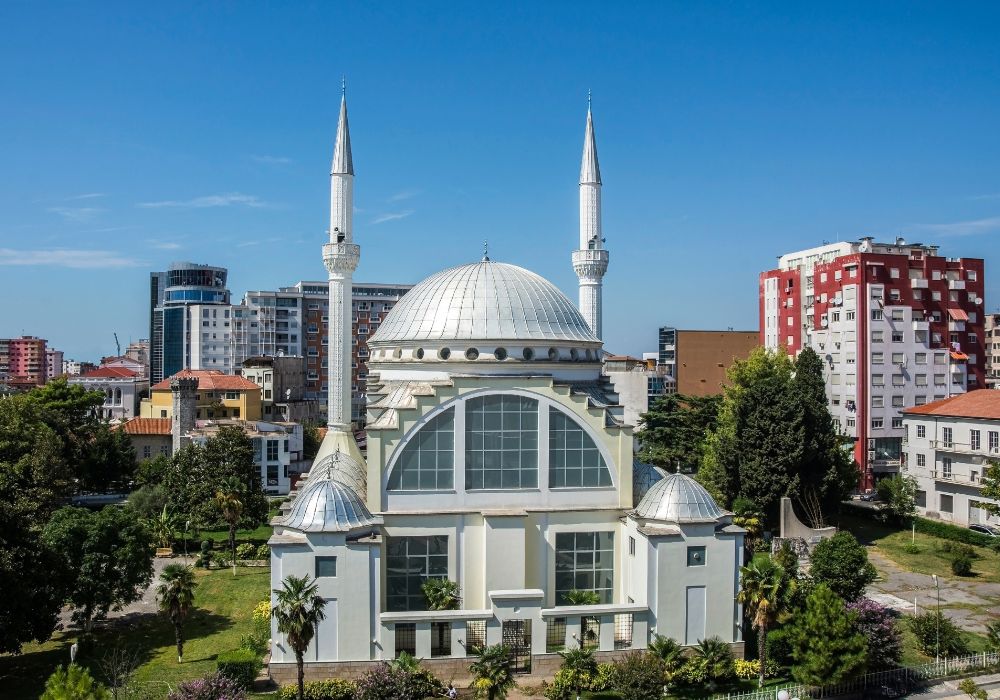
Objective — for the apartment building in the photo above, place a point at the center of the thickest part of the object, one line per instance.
(53, 363)
(24, 360)
(123, 388)
(896, 325)
(991, 329)
(219, 395)
(697, 360)
(275, 447)
(948, 445)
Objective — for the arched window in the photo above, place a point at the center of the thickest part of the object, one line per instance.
(501, 442)
(574, 459)
(428, 460)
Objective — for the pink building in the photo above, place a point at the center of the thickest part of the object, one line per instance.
(26, 359)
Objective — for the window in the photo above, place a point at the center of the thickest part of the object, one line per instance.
(440, 638)
(877, 423)
(851, 422)
(876, 314)
(623, 631)
(897, 380)
(878, 380)
(946, 503)
(897, 401)
(898, 358)
(501, 442)
(877, 336)
(921, 380)
(696, 556)
(147, 451)
(326, 567)
(921, 431)
(849, 315)
(897, 336)
(897, 422)
(878, 401)
(946, 437)
(939, 380)
(555, 634)
(877, 358)
(994, 440)
(920, 358)
(574, 459)
(427, 461)
(272, 450)
(475, 634)
(409, 562)
(406, 638)
(974, 440)
(631, 546)
(584, 561)
(921, 460)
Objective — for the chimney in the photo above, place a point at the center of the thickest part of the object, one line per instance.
(183, 390)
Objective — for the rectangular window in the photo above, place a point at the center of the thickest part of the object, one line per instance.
(696, 556)
(921, 431)
(897, 422)
(877, 358)
(555, 634)
(876, 314)
(501, 442)
(623, 631)
(897, 380)
(897, 336)
(326, 567)
(409, 562)
(440, 638)
(921, 380)
(946, 437)
(994, 440)
(946, 503)
(878, 401)
(585, 561)
(921, 460)
(147, 451)
(898, 358)
(475, 635)
(920, 358)
(897, 401)
(974, 439)
(878, 380)
(272, 450)
(631, 546)
(877, 423)
(406, 638)
(946, 467)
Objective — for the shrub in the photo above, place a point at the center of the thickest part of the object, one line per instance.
(911, 548)
(263, 552)
(206, 546)
(961, 565)
(717, 657)
(605, 677)
(841, 562)
(74, 683)
(424, 684)
(957, 549)
(951, 532)
(993, 636)
(750, 669)
(241, 666)
(222, 561)
(927, 626)
(878, 625)
(213, 687)
(567, 682)
(245, 551)
(383, 683)
(779, 647)
(330, 689)
(969, 687)
(639, 676)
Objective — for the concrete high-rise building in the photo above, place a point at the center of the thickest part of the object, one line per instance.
(189, 320)
(697, 361)
(590, 262)
(991, 330)
(53, 363)
(26, 359)
(895, 324)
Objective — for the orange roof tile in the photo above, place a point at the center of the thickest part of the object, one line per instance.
(147, 426)
(110, 372)
(210, 380)
(982, 403)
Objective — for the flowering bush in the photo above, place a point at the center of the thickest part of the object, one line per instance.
(213, 687)
(878, 625)
(395, 682)
(747, 669)
(263, 552)
(246, 551)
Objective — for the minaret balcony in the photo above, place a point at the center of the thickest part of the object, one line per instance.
(341, 258)
(590, 263)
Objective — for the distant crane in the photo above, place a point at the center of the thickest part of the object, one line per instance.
(119, 345)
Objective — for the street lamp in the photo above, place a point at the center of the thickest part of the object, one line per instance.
(937, 621)
(186, 526)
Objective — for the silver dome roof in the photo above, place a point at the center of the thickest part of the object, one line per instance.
(327, 504)
(484, 301)
(677, 498)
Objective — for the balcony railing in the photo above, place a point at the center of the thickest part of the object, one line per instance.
(953, 478)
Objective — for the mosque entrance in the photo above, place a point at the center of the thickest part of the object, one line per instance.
(517, 638)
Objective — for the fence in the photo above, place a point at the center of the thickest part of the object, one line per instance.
(897, 680)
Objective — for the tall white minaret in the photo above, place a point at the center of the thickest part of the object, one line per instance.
(590, 262)
(341, 257)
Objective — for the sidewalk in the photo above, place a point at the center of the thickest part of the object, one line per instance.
(948, 690)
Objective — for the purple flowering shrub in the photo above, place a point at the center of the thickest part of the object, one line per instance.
(212, 687)
(384, 682)
(878, 625)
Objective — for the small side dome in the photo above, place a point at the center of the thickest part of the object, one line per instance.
(326, 505)
(678, 498)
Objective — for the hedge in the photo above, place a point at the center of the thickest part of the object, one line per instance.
(937, 528)
(330, 689)
(240, 666)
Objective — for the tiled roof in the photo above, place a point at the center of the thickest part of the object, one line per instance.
(148, 426)
(982, 403)
(210, 380)
(110, 372)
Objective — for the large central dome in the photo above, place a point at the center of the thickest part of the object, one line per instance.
(484, 301)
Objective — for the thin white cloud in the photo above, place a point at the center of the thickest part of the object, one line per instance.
(89, 195)
(272, 160)
(78, 214)
(213, 200)
(392, 216)
(403, 195)
(976, 227)
(67, 257)
(165, 245)
(247, 244)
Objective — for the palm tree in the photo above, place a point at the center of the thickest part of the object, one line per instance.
(163, 527)
(762, 592)
(176, 597)
(228, 500)
(441, 594)
(669, 652)
(298, 612)
(579, 597)
(717, 658)
(493, 673)
(580, 662)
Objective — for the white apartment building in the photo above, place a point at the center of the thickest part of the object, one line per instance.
(275, 446)
(948, 447)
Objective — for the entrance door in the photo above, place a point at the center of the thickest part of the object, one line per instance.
(517, 637)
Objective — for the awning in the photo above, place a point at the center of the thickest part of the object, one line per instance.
(958, 315)
(959, 355)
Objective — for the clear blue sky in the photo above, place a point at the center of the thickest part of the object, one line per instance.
(133, 134)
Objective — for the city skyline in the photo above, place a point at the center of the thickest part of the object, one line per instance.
(718, 130)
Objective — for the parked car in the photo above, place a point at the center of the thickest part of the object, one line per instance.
(870, 496)
(989, 530)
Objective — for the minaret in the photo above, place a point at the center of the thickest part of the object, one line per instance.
(590, 262)
(341, 257)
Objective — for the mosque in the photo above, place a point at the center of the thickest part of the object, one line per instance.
(498, 458)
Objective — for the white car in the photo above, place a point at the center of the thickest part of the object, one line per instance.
(989, 530)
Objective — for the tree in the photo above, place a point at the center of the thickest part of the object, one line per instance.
(826, 648)
(148, 502)
(106, 557)
(73, 683)
(108, 460)
(937, 635)
(228, 499)
(163, 526)
(176, 597)
(763, 594)
(993, 636)
(991, 488)
(493, 675)
(674, 429)
(298, 611)
(229, 454)
(878, 625)
(441, 594)
(669, 652)
(579, 597)
(311, 441)
(899, 494)
(841, 562)
(969, 687)
(715, 656)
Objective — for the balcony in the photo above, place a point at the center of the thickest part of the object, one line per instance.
(956, 284)
(965, 448)
(956, 325)
(916, 283)
(953, 478)
(921, 325)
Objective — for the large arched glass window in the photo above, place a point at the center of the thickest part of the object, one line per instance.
(427, 463)
(574, 459)
(501, 442)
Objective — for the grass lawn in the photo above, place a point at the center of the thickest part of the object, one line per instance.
(224, 604)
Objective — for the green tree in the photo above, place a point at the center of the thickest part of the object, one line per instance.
(229, 454)
(581, 667)
(763, 594)
(441, 594)
(74, 683)
(841, 562)
(229, 500)
(148, 502)
(672, 432)
(899, 493)
(163, 527)
(581, 597)
(176, 598)
(311, 441)
(969, 687)
(106, 557)
(108, 460)
(716, 657)
(153, 471)
(993, 636)
(492, 674)
(298, 611)
(937, 635)
(669, 652)
(825, 646)
(991, 488)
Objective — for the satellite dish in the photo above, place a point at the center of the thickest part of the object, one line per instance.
(978, 301)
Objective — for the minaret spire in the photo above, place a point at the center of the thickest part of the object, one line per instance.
(590, 261)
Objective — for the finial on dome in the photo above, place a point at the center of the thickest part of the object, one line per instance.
(486, 251)
(588, 99)
(343, 86)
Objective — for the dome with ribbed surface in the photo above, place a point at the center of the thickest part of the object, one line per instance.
(678, 498)
(486, 301)
(328, 503)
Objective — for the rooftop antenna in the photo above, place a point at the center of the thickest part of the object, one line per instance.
(486, 251)
(588, 99)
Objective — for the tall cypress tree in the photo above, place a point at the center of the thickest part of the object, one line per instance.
(826, 647)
